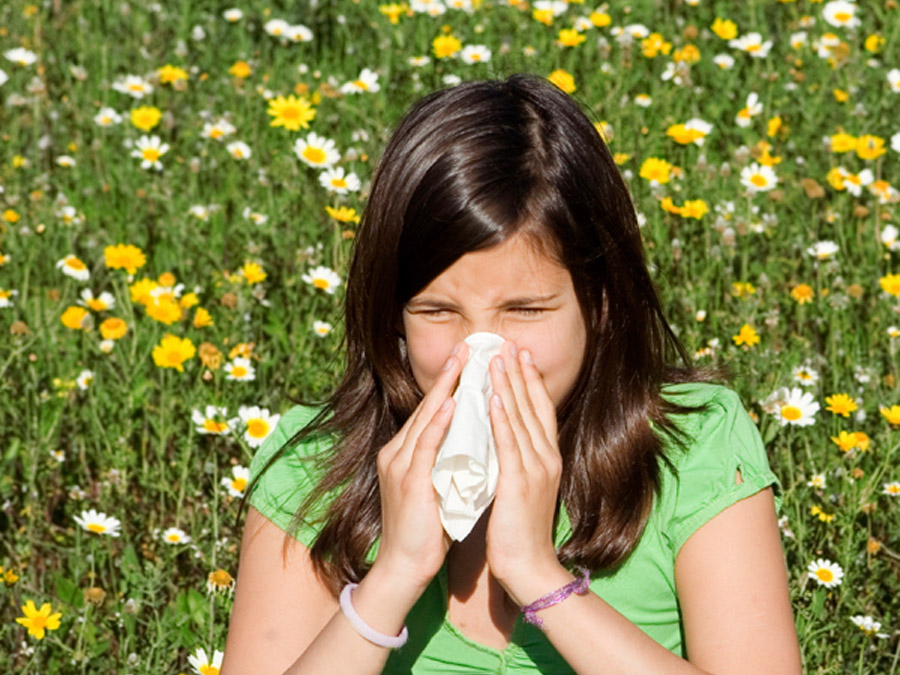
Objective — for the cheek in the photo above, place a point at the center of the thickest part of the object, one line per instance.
(428, 349)
(558, 356)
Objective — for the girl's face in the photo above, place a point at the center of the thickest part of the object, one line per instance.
(509, 289)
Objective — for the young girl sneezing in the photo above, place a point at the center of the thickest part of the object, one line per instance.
(633, 523)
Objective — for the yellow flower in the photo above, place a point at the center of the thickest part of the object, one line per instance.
(870, 147)
(173, 351)
(820, 514)
(124, 256)
(10, 577)
(803, 293)
(170, 74)
(655, 169)
(569, 37)
(841, 142)
(725, 28)
(146, 117)
(874, 43)
(39, 620)
(862, 440)
(202, 318)
(393, 11)
(845, 441)
(253, 272)
(291, 112)
(653, 45)
(240, 70)
(544, 16)
(840, 95)
(563, 80)
(890, 284)
(892, 414)
(773, 126)
(343, 214)
(741, 288)
(840, 404)
(188, 300)
(600, 19)
(113, 328)
(10, 216)
(688, 54)
(695, 208)
(76, 318)
(747, 336)
(140, 290)
(445, 46)
(163, 310)
(621, 157)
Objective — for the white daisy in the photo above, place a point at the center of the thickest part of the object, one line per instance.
(149, 150)
(257, 423)
(643, 100)
(472, 54)
(793, 406)
(891, 489)
(211, 421)
(106, 346)
(253, 216)
(841, 14)
(335, 181)
(322, 328)
(107, 117)
(276, 27)
(236, 485)
(3, 78)
(366, 82)
(175, 535)
(758, 178)
(199, 211)
(317, 151)
(84, 379)
(893, 78)
(323, 278)
(724, 61)
(99, 523)
(218, 130)
(826, 573)
(806, 375)
(239, 150)
(868, 625)
(133, 85)
(418, 61)
(203, 665)
(104, 301)
(798, 39)
(752, 44)
(751, 110)
(855, 182)
(299, 33)
(431, 7)
(6, 297)
(240, 369)
(72, 266)
(233, 15)
(823, 250)
(69, 216)
(817, 481)
(66, 161)
(20, 55)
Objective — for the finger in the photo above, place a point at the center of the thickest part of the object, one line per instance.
(429, 441)
(519, 387)
(509, 458)
(539, 397)
(503, 389)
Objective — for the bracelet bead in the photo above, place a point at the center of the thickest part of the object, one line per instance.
(578, 586)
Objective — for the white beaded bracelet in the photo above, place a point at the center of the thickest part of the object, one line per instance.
(365, 629)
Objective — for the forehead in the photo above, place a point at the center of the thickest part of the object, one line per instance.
(513, 268)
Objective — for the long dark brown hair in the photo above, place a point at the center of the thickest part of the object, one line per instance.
(467, 168)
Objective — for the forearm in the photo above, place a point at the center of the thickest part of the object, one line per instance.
(383, 602)
(592, 636)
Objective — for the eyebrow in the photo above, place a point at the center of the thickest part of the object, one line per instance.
(418, 303)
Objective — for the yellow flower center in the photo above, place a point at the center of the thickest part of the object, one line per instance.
(216, 133)
(843, 17)
(239, 484)
(151, 154)
(220, 578)
(290, 112)
(258, 428)
(174, 537)
(96, 527)
(39, 622)
(173, 356)
(791, 413)
(758, 180)
(320, 283)
(825, 575)
(339, 182)
(754, 48)
(894, 489)
(362, 85)
(214, 427)
(314, 155)
(75, 264)
(136, 86)
(97, 305)
(239, 371)
(208, 670)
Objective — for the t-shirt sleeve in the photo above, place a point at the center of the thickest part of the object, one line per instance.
(281, 487)
(724, 443)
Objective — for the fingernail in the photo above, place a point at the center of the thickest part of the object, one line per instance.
(512, 349)
(456, 349)
(500, 365)
(446, 404)
(449, 364)
(497, 401)
(526, 357)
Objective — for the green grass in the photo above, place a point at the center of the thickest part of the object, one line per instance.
(129, 444)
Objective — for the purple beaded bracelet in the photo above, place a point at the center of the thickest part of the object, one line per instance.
(579, 587)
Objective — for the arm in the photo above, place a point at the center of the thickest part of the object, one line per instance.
(733, 590)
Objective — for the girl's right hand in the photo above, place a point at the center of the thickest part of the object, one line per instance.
(413, 542)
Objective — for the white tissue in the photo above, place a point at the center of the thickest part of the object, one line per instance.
(465, 471)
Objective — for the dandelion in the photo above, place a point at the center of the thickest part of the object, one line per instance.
(291, 112)
(257, 423)
(803, 293)
(210, 421)
(366, 82)
(219, 581)
(655, 170)
(241, 370)
(172, 352)
(473, 54)
(98, 523)
(565, 81)
(891, 489)
(239, 150)
(826, 573)
(840, 404)
(37, 621)
(149, 149)
(747, 336)
(316, 151)
(890, 284)
(794, 406)
(758, 178)
(72, 266)
(322, 328)
(870, 147)
(240, 70)
(335, 181)
(569, 37)
(124, 256)
(175, 535)
(240, 477)
(343, 214)
(823, 250)
(76, 318)
(113, 328)
(145, 117)
(322, 278)
(173, 75)
(107, 117)
(892, 414)
(204, 665)
(445, 46)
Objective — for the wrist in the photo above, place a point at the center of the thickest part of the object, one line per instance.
(527, 586)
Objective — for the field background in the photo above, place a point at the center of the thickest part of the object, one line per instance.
(126, 445)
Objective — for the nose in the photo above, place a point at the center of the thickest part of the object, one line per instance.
(486, 324)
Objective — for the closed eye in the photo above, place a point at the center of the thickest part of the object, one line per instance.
(528, 311)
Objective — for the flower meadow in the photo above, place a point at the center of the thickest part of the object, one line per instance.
(180, 185)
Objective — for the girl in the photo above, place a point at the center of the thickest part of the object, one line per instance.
(497, 207)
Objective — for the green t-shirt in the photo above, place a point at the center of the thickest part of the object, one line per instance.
(725, 442)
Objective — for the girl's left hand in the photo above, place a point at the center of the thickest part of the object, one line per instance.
(520, 526)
